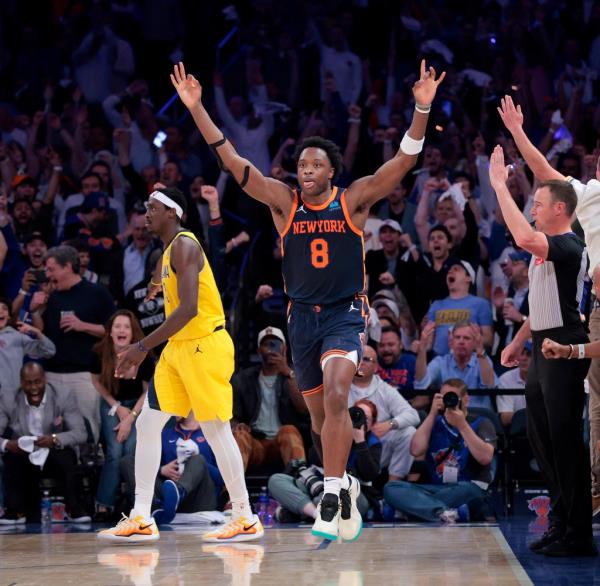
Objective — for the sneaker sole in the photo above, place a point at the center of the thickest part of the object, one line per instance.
(356, 536)
(324, 535)
(133, 540)
(237, 539)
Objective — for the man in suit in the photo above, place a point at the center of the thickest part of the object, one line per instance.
(45, 424)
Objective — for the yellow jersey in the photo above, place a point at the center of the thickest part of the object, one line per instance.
(210, 308)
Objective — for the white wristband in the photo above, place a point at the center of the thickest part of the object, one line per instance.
(423, 109)
(114, 408)
(410, 146)
(581, 349)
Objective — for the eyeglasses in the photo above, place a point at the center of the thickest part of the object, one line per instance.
(367, 359)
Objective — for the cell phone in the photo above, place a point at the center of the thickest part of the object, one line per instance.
(274, 346)
(39, 275)
(159, 139)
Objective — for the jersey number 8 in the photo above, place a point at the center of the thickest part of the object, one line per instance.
(319, 253)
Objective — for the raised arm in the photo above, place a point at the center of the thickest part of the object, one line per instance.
(367, 190)
(513, 120)
(524, 235)
(264, 189)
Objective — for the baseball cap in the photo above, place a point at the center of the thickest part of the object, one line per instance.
(467, 266)
(95, 200)
(270, 331)
(520, 255)
(389, 223)
(384, 294)
(392, 305)
(22, 179)
(37, 235)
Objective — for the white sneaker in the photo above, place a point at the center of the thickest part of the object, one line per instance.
(240, 529)
(326, 524)
(350, 525)
(133, 529)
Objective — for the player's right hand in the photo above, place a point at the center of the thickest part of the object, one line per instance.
(187, 86)
(510, 355)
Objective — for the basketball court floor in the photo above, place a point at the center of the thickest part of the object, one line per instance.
(385, 554)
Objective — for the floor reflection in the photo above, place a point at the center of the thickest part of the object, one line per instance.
(136, 564)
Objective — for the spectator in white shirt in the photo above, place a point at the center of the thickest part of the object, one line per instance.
(396, 419)
(516, 378)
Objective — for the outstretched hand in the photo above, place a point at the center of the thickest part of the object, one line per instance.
(511, 115)
(498, 171)
(187, 86)
(426, 86)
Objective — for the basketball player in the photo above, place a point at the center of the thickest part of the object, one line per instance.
(193, 373)
(323, 268)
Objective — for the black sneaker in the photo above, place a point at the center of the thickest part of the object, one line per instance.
(550, 536)
(328, 515)
(565, 547)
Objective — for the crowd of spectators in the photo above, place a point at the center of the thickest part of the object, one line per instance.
(88, 128)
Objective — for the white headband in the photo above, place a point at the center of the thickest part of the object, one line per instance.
(168, 202)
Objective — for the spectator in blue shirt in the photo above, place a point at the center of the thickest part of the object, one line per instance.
(467, 361)
(396, 367)
(460, 306)
(188, 480)
(459, 452)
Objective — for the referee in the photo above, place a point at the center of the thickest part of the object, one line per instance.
(554, 391)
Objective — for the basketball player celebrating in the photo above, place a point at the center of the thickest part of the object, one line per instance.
(323, 268)
(193, 373)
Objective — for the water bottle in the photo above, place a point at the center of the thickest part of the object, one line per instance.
(262, 508)
(46, 509)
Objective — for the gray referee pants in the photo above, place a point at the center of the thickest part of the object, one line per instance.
(594, 404)
(555, 400)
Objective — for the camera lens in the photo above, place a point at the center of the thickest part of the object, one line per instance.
(451, 400)
(358, 417)
(313, 482)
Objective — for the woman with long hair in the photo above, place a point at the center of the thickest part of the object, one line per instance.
(122, 401)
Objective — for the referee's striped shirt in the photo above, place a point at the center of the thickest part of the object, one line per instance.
(556, 283)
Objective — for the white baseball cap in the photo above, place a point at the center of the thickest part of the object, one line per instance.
(270, 331)
(389, 223)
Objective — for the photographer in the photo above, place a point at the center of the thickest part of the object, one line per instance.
(300, 492)
(268, 408)
(458, 451)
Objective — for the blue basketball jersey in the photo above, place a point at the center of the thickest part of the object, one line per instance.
(323, 252)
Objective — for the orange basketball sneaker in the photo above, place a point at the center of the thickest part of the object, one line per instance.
(240, 529)
(133, 529)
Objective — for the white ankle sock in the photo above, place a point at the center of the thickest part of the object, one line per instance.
(333, 485)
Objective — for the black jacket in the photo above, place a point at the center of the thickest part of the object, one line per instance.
(247, 397)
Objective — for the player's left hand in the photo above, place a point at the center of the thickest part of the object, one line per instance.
(131, 356)
(425, 87)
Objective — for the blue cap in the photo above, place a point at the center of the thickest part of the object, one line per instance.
(96, 200)
(520, 255)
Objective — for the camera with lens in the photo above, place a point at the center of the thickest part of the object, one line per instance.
(313, 480)
(358, 417)
(451, 400)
